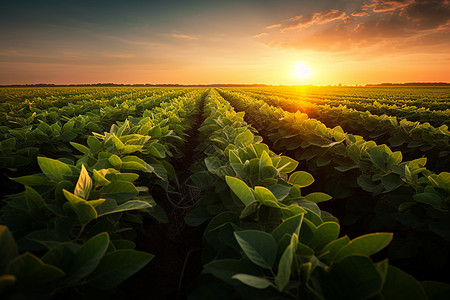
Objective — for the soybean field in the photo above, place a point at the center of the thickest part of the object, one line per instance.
(225, 192)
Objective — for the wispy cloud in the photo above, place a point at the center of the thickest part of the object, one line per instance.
(184, 36)
(303, 21)
(387, 5)
(273, 26)
(260, 35)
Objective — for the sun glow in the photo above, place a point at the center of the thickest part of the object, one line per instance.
(301, 71)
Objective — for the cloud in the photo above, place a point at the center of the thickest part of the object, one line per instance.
(316, 18)
(386, 25)
(184, 36)
(260, 35)
(386, 5)
(273, 26)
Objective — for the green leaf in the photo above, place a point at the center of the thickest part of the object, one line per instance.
(110, 207)
(213, 163)
(35, 202)
(264, 195)
(443, 180)
(401, 285)
(84, 210)
(330, 251)
(121, 177)
(264, 161)
(280, 191)
(391, 182)
(157, 150)
(130, 149)
(285, 265)
(132, 165)
(83, 149)
(301, 178)
(54, 169)
(365, 245)
(94, 144)
(430, 199)
(354, 277)
(286, 164)
(317, 197)
(117, 266)
(117, 142)
(8, 247)
(99, 177)
(120, 190)
(324, 234)
(84, 184)
(253, 281)
(115, 161)
(289, 226)
(244, 139)
(259, 246)
(87, 258)
(32, 180)
(250, 209)
(241, 190)
(29, 268)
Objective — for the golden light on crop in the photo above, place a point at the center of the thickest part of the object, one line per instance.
(301, 71)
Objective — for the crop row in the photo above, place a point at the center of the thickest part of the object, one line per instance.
(356, 99)
(74, 224)
(265, 231)
(432, 98)
(48, 132)
(270, 240)
(378, 190)
(411, 138)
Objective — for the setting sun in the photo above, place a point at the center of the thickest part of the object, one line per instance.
(301, 71)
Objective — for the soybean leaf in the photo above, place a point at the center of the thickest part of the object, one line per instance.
(317, 197)
(259, 246)
(117, 266)
(244, 139)
(253, 281)
(241, 190)
(365, 245)
(290, 226)
(35, 202)
(285, 265)
(83, 149)
(110, 207)
(324, 234)
(29, 268)
(87, 258)
(54, 169)
(345, 281)
(84, 184)
(84, 210)
(301, 178)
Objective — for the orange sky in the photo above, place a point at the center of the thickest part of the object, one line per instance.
(192, 42)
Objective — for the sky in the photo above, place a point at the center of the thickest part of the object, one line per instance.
(206, 42)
